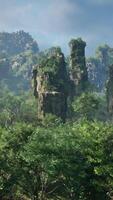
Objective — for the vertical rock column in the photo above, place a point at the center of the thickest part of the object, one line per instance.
(78, 70)
(50, 89)
(109, 91)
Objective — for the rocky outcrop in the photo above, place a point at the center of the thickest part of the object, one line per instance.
(109, 91)
(53, 85)
(98, 67)
(15, 43)
(50, 84)
(78, 70)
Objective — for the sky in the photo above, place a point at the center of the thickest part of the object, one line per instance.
(55, 22)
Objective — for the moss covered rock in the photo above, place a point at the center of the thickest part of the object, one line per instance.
(109, 91)
(78, 70)
(50, 84)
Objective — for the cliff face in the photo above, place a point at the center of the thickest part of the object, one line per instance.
(110, 91)
(50, 78)
(98, 66)
(52, 83)
(78, 70)
(18, 55)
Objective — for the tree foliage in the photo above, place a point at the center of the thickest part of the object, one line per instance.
(71, 161)
(47, 159)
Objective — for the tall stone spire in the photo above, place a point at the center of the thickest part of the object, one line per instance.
(50, 78)
(109, 91)
(78, 70)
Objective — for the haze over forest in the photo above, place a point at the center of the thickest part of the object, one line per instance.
(91, 19)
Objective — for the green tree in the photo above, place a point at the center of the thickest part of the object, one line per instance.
(11, 164)
(86, 106)
(17, 108)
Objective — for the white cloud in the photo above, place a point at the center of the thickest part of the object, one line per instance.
(57, 15)
(53, 16)
(54, 22)
(12, 16)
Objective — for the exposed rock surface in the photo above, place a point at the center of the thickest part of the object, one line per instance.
(50, 84)
(78, 70)
(110, 91)
(53, 84)
(18, 54)
(98, 66)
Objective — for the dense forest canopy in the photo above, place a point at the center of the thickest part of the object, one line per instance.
(56, 114)
(14, 43)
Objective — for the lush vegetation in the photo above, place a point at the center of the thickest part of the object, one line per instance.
(56, 161)
(47, 159)
(18, 54)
